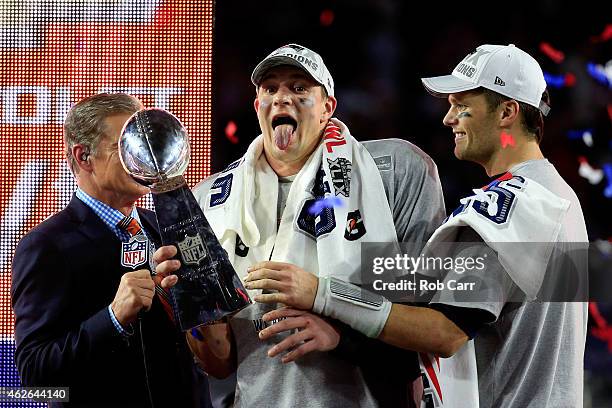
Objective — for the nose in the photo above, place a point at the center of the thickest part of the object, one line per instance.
(282, 97)
(450, 118)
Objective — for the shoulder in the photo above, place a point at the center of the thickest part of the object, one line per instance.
(200, 190)
(401, 155)
(46, 235)
(58, 223)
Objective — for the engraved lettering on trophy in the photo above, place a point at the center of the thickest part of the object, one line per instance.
(182, 224)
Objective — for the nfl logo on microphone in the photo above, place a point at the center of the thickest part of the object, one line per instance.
(134, 252)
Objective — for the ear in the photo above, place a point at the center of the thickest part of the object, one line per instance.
(508, 114)
(82, 157)
(256, 105)
(330, 108)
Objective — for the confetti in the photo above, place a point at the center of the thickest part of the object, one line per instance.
(230, 132)
(326, 18)
(551, 52)
(605, 35)
(599, 73)
(559, 81)
(328, 202)
(585, 134)
(594, 176)
(607, 168)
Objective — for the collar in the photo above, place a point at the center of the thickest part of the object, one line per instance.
(110, 216)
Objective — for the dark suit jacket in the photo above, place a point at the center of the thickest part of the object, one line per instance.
(66, 272)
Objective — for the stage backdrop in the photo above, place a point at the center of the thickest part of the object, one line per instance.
(55, 52)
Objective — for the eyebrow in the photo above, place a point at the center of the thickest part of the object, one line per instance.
(454, 100)
(451, 98)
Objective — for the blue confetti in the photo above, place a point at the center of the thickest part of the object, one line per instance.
(578, 134)
(607, 168)
(554, 81)
(599, 75)
(328, 202)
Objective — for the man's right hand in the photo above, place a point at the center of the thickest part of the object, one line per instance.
(135, 292)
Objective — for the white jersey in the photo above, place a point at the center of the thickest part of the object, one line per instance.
(531, 354)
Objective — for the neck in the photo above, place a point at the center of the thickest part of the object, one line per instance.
(288, 164)
(505, 158)
(284, 168)
(112, 199)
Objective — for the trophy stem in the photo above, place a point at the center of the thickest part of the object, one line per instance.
(208, 288)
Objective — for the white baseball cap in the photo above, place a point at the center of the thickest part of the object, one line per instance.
(505, 69)
(298, 56)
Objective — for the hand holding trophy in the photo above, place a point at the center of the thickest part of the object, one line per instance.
(154, 150)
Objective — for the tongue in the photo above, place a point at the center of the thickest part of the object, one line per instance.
(282, 136)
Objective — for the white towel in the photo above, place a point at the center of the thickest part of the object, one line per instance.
(243, 199)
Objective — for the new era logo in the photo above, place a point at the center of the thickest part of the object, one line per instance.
(499, 81)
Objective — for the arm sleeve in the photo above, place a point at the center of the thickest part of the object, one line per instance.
(470, 310)
(49, 350)
(418, 203)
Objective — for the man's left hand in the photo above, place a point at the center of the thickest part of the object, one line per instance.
(314, 333)
(295, 287)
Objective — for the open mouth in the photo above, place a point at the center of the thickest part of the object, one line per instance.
(284, 127)
(283, 120)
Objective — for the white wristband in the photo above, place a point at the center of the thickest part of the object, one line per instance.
(364, 311)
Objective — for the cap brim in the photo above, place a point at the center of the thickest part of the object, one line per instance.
(441, 86)
(265, 65)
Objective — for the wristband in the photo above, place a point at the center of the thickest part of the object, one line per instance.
(364, 311)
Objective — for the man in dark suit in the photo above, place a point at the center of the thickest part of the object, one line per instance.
(86, 316)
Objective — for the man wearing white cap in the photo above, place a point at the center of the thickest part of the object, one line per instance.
(293, 212)
(529, 353)
(524, 352)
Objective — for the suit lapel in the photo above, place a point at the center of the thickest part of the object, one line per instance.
(90, 225)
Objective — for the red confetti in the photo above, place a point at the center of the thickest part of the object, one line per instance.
(326, 18)
(610, 112)
(230, 132)
(551, 52)
(605, 35)
(570, 79)
(506, 140)
(602, 329)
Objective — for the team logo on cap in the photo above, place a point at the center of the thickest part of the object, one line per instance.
(473, 57)
(302, 55)
(134, 252)
(192, 249)
(468, 66)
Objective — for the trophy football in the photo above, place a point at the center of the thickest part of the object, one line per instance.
(154, 150)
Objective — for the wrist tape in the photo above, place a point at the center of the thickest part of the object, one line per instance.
(364, 311)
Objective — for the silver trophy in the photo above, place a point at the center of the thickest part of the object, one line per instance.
(154, 150)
